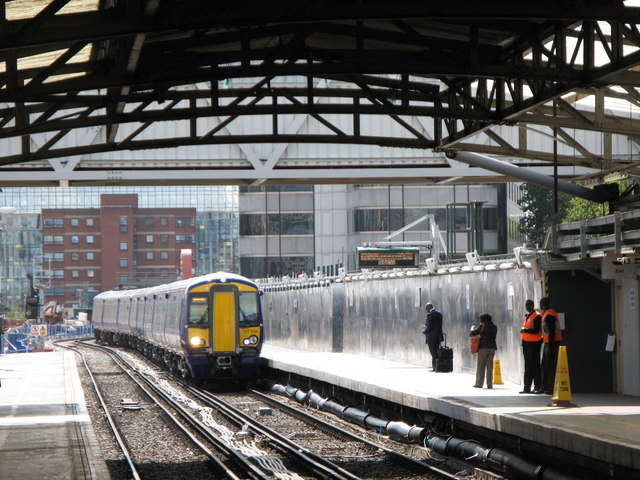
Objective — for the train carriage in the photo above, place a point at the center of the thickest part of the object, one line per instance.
(205, 328)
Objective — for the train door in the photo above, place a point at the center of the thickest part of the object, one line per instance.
(142, 303)
(148, 317)
(133, 312)
(224, 305)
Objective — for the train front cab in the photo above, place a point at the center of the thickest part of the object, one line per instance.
(224, 331)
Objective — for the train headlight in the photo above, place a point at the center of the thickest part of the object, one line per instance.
(252, 340)
(197, 341)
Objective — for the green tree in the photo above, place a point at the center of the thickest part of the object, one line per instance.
(581, 209)
(537, 205)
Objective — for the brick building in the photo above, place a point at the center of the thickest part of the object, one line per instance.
(118, 245)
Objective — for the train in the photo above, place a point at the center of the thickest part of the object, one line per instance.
(205, 328)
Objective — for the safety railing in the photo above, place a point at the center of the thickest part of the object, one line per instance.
(31, 337)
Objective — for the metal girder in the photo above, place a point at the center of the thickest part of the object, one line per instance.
(206, 175)
(448, 74)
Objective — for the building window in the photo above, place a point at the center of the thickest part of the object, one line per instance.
(185, 222)
(124, 262)
(75, 274)
(53, 257)
(290, 224)
(91, 273)
(75, 256)
(371, 220)
(58, 273)
(149, 238)
(164, 255)
(90, 256)
(149, 255)
(124, 228)
(164, 238)
(75, 222)
(89, 238)
(75, 239)
(53, 222)
(123, 221)
(256, 267)
(276, 224)
(253, 224)
(180, 238)
(490, 218)
(164, 221)
(123, 246)
(89, 222)
(53, 240)
(57, 291)
(148, 221)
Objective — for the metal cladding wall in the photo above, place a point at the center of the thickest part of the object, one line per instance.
(382, 316)
(299, 317)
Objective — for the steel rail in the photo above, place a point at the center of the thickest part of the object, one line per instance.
(219, 466)
(112, 424)
(334, 430)
(315, 462)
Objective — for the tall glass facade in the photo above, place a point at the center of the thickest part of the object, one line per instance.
(21, 235)
(20, 250)
(276, 230)
(204, 198)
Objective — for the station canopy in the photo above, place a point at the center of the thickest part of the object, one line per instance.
(535, 83)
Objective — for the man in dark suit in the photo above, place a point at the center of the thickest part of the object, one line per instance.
(433, 332)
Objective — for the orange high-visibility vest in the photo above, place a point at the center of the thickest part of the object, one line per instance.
(528, 323)
(545, 336)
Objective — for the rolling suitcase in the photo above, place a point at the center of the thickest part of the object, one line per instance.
(444, 360)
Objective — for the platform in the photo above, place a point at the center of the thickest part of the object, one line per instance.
(45, 431)
(601, 426)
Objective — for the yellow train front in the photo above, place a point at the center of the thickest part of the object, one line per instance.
(205, 328)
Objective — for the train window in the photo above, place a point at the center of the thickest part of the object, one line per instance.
(198, 310)
(249, 309)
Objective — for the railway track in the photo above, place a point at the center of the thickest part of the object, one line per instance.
(234, 434)
(347, 454)
(151, 442)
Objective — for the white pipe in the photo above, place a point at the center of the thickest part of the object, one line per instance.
(525, 174)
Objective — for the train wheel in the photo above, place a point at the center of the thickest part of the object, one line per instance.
(184, 369)
(174, 367)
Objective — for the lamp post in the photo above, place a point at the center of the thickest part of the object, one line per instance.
(3, 211)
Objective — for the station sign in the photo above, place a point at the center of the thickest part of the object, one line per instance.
(613, 269)
(387, 257)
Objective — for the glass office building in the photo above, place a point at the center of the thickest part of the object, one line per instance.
(21, 233)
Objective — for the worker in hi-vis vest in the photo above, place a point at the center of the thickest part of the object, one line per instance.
(551, 336)
(531, 334)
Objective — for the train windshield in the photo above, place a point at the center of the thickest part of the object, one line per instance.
(249, 309)
(198, 310)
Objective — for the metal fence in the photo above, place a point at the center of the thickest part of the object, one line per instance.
(31, 337)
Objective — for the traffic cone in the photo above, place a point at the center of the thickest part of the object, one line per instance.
(562, 385)
(497, 376)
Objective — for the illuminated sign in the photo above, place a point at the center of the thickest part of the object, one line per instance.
(387, 257)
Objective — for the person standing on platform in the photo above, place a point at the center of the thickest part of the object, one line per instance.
(551, 336)
(487, 350)
(433, 332)
(531, 333)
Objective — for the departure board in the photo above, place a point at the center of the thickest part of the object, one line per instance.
(387, 257)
